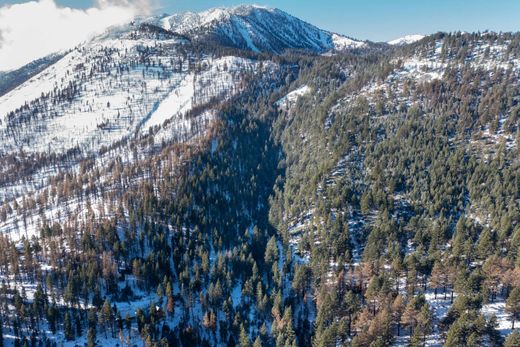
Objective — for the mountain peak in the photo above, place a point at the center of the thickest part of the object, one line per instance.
(247, 8)
(186, 21)
(257, 28)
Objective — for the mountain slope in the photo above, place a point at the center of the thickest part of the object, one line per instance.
(11, 79)
(109, 89)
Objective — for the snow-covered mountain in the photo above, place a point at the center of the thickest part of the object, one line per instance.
(134, 81)
(405, 40)
(110, 88)
(256, 28)
(114, 86)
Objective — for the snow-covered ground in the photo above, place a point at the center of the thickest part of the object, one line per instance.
(114, 95)
(498, 309)
(343, 42)
(406, 40)
(289, 101)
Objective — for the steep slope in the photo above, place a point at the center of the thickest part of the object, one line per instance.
(392, 185)
(147, 103)
(108, 89)
(124, 84)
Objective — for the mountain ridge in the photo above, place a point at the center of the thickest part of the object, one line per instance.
(407, 39)
(253, 27)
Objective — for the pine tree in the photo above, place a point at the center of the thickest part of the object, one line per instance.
(351, 306)
(288, 331)
(209, 320)
(437, 278)
(410, 316)
(170, 304)
(455, 336)
(271, 251)
(160, 291)
(485, 246)
(244, 337)
(106, 316)
(513, 305)
(425, 322)
(67, 327)
(397, 312)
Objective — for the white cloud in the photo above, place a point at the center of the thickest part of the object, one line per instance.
(36, 29)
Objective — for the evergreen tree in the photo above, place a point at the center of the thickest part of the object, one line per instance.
(513, 305)
(244, 337)
(425, 322)
(68, 327)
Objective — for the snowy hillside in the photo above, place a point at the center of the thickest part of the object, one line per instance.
(135, 81)
(405, 40)
(108, 89)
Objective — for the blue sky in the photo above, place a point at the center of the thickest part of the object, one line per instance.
(378, 20)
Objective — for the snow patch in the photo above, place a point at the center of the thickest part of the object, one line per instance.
(180, 100)
(406, 40)
(288, 101)
(342, 42)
